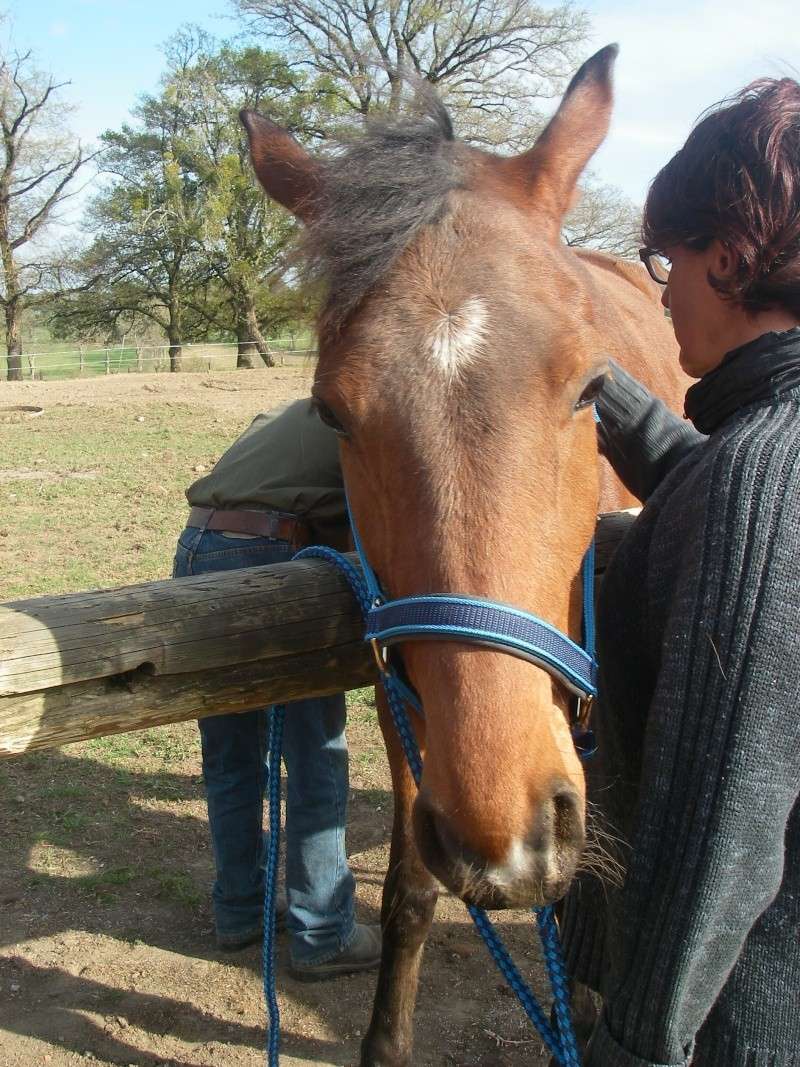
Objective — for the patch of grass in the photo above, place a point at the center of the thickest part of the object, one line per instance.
(361, 697)
(361, 708)
(114, 749)
(116, 876)
(177, 887)
(369, 757)
(67, 791)
(73, 820)
(165, 744)
(92, 472)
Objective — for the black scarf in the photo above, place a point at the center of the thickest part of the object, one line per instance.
(761, 370)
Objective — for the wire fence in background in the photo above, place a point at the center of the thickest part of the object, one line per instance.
(130, 359)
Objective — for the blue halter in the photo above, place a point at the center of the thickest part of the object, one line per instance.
(489, 624)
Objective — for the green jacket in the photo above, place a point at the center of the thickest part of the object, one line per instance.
(287, 460)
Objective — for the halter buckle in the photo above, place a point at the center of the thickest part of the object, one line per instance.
(583, 711)
(381, 655)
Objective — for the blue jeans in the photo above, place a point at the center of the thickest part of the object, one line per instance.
(319, 884)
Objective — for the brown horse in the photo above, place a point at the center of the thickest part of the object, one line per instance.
(459, 349)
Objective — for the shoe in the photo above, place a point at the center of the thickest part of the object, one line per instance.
(235, 942)
(362, 954)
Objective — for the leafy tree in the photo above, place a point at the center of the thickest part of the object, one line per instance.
(492, 61)
(184, 235)
(39, 162)
(245, 238)
(144, 259)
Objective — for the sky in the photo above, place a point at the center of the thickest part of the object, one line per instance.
(675, 60)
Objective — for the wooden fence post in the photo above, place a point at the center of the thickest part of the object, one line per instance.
(109, 661)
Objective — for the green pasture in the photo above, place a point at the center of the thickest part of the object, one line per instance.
(92, 497)
(54, 361)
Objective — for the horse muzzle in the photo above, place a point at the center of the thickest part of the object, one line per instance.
(532, 870)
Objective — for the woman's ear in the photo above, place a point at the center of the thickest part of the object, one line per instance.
(722, 263)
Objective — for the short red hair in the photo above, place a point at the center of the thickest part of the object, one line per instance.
(737, 179)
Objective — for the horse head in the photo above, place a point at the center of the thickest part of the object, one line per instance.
(460, 346)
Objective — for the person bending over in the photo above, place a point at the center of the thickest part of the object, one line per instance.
(277, 488)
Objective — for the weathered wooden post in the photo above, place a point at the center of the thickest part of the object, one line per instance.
(110, 661)
(114, 660)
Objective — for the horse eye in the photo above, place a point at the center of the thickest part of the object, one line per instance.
(328, 417)
(590, 392)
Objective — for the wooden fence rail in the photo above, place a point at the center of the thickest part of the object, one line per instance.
(110, 661)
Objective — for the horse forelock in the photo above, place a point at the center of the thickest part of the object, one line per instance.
(378, 192)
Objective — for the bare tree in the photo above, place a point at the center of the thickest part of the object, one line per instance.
(604, 219)
(493, 61)
(38, 165)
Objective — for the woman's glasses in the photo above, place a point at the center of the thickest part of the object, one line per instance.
(657, 265)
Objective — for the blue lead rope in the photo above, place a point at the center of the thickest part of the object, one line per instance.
(274, 749)
(561, 1041)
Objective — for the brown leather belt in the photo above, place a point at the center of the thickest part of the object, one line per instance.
(277, 524)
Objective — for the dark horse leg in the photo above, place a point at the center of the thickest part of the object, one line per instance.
(409, 899)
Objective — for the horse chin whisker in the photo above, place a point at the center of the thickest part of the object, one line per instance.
(603, 853)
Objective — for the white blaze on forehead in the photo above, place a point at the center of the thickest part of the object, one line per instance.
(458, 337)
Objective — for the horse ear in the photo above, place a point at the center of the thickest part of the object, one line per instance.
(284, 168)
(551, 169)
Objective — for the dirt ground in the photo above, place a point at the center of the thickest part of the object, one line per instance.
(106, 945)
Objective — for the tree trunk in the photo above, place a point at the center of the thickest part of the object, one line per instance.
(175, 352)
(251, 341)
(246, 350)
(13, 341)
(175, 339)
(12, 305)
(258, 337)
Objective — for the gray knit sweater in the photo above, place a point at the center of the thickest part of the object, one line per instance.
(698, 954)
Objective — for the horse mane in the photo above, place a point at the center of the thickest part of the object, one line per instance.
(378, 191)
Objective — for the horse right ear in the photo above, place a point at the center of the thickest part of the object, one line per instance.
(549, 172)
(286, 171)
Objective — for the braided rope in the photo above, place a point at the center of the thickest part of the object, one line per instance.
(276, 720)
(567, 1054)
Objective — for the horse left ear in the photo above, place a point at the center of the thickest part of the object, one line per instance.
(287, 172)
(550, 170)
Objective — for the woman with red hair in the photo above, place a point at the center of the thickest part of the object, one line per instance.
(696, 955)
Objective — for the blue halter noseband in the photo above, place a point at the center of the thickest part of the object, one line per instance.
(489, 624)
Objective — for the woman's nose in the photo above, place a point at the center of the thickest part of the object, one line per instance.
(665, 296)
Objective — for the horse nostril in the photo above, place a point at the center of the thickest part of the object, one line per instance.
(568, 816)
(439, 846)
